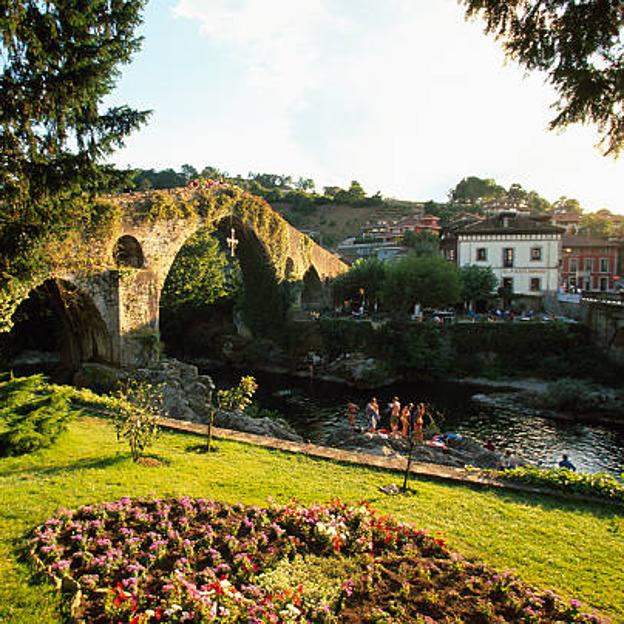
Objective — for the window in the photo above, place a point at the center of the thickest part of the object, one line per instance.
(572, 283)
(536, 253)
(604, 283)
(481, 254)
(604, 265)
(451, 254)
(535, 284)
(589, 265)
(573, 268)
(587, 283)
(508, 257)
(508, 283)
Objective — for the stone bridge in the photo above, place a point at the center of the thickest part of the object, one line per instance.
(109, 278)
(604, 313)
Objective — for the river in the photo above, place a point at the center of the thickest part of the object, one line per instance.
(313, 408)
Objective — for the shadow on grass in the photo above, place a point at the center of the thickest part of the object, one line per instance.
(96, 463)
(201, 449)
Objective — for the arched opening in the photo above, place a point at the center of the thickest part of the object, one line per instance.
(213, 299)
(313, 294)
(199, 295)
(128, 253)
(56, 328)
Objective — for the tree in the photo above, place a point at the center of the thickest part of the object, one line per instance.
(477, 283)
(59, 60)
(580, 47)
(305, 184)
(366, 276)
(567, 204)
(431, 281)
(596, 224)
(200, 275)
(424, 243)
(476, 190)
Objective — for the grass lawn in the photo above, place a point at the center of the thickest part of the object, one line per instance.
(573, 548)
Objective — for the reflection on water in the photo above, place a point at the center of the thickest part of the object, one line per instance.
(314, 408)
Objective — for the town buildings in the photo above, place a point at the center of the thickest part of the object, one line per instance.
(383, 239)
(523, 252)
(589, 264)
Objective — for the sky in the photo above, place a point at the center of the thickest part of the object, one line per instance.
(404, 96)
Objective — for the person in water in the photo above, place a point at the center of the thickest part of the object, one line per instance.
(352, 412)
(566, 463)
(372, 415)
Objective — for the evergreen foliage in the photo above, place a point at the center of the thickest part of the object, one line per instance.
(33, 414)
(580, 47)
(59, 60)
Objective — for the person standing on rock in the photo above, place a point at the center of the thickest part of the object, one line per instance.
(406, 415)
(372, 415)
(419, 436)
(395, 414)
(352, 412)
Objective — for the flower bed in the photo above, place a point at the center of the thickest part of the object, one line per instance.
(196, 560)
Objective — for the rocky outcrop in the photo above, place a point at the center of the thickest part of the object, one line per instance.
(271, 427)
(458, 453)
(188, 396)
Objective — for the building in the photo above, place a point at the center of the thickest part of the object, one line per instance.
(568, 220)
(523, 252)
(448, 235)
(589, 264)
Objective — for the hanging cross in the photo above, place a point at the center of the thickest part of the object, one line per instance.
(232, 241)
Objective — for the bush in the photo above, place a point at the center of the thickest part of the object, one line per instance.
(34, 414)
(136, 414)
(573, 395)
(600, 484)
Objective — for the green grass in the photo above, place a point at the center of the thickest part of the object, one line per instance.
(573, 548)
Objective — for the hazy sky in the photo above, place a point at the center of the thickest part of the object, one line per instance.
(402, 95)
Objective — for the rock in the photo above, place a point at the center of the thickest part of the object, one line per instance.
(260, 426)
(100, 378)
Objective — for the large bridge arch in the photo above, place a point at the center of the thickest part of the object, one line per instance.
(124, 261)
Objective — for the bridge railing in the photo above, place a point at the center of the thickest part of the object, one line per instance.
(608, 298)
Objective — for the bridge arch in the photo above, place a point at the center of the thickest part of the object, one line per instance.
(125, 260)
(128, 253)
(57, 328)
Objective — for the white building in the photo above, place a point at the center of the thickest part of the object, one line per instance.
(523, 252)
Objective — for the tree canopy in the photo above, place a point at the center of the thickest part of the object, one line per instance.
(580, 47)
(477, 282)
(429, 280)
(58, 60)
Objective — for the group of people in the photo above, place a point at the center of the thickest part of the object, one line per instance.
(404, 421)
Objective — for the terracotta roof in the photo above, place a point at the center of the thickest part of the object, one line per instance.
(566, 216)
(515, 225)
(587, 241)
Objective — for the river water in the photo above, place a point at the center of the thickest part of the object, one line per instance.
(313, 408)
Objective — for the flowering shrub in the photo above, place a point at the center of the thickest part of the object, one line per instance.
(139, 561)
